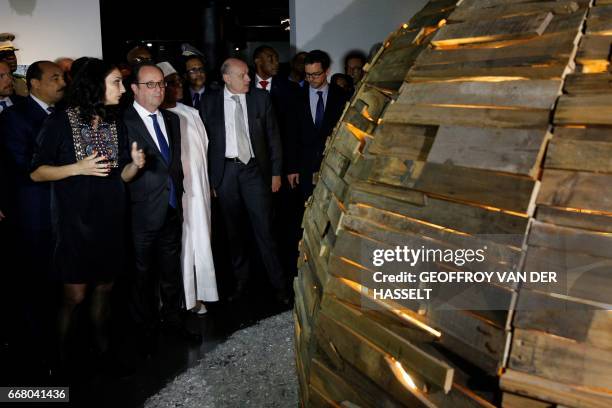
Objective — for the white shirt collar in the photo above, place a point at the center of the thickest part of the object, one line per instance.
(258, 79)
(42, 104)
(227, 94)
(143, 112)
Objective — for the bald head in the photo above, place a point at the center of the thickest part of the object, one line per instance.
(236, 75)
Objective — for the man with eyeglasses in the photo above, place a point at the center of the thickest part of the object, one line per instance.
(195, 77)
(7, 90)
(314, 116)
(7, 54)
(156, 210)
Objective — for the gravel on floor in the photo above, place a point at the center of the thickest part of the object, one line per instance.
(255, 367)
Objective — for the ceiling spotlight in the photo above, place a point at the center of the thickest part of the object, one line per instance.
(149, 44)
(237, 49)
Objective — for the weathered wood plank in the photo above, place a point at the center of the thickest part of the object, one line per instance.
(584, 110)
(403, 141)
(576, 219)
(594, 49)
(411, 357)
(467, 116)
(577, 275)
(537, 94)
(600, 20)
(561, 359)
(553, 391)
(478, 186)
(504, 10)
(461, 217)
(577, 84)
(579, 190)
(553, 70)
(487, 30)
(583, 133)
(336, 389)
(564, 317)
(570, 239)
(512, 151)
(516, 401)
(579, 155)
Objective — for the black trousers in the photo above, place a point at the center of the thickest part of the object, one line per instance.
(243, 188)
(157, 273)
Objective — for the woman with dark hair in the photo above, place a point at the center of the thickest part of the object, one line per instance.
(84, 152)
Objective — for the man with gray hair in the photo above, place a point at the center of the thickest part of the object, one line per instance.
(245, 165)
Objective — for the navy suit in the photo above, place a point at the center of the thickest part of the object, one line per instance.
(306, 143)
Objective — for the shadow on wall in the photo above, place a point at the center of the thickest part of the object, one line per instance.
(361, 20)
(23, 7)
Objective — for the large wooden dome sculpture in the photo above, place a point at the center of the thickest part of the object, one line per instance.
(476, 117)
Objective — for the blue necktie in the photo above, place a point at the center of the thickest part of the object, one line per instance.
(165, 152)
(196, 101)
(320, 111)
(3, 105)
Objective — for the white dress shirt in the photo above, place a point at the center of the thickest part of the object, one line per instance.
(258, 85)
(229, 106)
(42, 104)
(314, 98)
(148, 121)
(6, 100)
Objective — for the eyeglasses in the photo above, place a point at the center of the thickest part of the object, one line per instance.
(314, 74)
(196, 70)
(152, 84)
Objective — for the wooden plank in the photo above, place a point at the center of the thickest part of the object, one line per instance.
(346, 142)
(584, 110)
(410, 356)
(583, 133)
(565, 317)
(479, 4)
(467, 116)
(328, 383)
(402, 141)
(487, 30)
(579, 155)
(600, 20)
(470, 337)
(554, 70)
(334, 213)
(516, 401)
(578, 275)
(504, 10)
(573, 189)
(576, 219)
(370, 102)
(513, 151)
(337, 162)
(570, 239)
(335, 184)
(478, 186)
(370, 360)
(549, 47)
(561, 360)
(594, 48)
(538, 94)
(577, 84)
(465, 218)
(553, 391)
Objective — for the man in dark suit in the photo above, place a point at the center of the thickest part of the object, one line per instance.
(313, 119)
(156, 212)
(287, 202)
(27, 206)
(195, 79)
(245, 164)
(7, 91)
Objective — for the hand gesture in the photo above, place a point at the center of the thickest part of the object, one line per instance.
(138, 156)
(276, 183)
(294, 179)
(91, 166)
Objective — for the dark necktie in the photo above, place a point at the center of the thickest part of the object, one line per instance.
(196, 101)
(50, 109)
(3, 105)
(264, 85)
(320, 111)
(165, 152)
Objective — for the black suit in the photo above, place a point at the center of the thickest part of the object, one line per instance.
(27, 206)
(156, 226)
(246, 186)
(307, 143)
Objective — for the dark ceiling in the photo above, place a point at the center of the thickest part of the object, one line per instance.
(125, 23)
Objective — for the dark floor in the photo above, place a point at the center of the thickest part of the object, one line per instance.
(94, 387)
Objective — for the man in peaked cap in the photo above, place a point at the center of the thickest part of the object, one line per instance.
(7, 54)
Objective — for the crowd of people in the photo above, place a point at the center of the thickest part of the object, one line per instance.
(113, 172)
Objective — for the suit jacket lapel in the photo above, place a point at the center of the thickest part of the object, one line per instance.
(133, 117)
(251, 110)
(307, 105)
